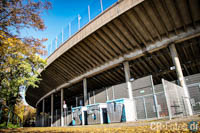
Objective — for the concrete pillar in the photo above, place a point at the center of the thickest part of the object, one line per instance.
(62, 100)
(51, 110)
(107, 98)
(85, 91)
(43, 108)
(113, 92)
(94, 97)
(89, 100)
(129, 85)
(128, 76)
(179, 72)
(76, 101)
(37, 113)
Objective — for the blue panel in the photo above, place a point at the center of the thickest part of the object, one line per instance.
(123, 114)
(116, 100)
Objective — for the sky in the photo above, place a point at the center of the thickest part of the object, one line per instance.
(63, 12)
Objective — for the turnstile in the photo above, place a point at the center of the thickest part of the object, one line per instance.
(97, 113)
(79, 115)
(121, 110)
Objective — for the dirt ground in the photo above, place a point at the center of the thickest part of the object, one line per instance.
(179, 125)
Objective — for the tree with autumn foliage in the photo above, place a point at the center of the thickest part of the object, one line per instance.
(26, 113)
(29, 116)
(19, 109)
(20, 56)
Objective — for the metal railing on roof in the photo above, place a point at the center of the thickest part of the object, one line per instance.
(94, 9)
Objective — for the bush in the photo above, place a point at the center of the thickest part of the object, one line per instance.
(10, 125)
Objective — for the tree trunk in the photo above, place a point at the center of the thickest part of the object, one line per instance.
(8, 118)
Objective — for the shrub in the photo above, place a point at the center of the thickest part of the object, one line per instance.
(10, 125)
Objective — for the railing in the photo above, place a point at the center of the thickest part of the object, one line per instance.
(94, 9)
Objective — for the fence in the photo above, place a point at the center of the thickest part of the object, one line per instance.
(8, 116)
(93, 10)
(152, 101)
(145, 98)
(104, 94)
(163, 100)
(39, 120)
(193, 84)
(175, 98)
(146, 107)
(67, 117)
(44, 119)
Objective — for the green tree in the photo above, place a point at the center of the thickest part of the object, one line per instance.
(20, 56)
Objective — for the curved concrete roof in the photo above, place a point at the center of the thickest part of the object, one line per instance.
(126, 31)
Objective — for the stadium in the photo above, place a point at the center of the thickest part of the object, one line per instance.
(138, 58)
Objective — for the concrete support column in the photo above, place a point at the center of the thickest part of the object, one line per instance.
(89, 100)
(128, 76)
(107, 98)
(37, 113)
(85, 91)
(94, 97)
(43, 108)
(51, 110)
(179, 72)
(113, 92)
(76, 101)
(62, 100)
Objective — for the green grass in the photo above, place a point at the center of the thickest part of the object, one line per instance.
(10, 125)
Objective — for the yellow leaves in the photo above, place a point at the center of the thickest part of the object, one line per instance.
(10, 60)
(10, 42)
(29, 113)
(19, 66)
(19, 110)
(2, 34)
(107, 128)
(27, 47)
(24, 111)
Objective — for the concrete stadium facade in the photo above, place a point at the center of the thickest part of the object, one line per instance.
(113, 55)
